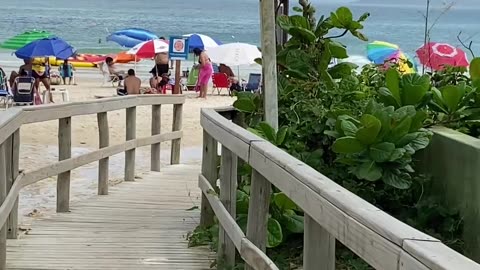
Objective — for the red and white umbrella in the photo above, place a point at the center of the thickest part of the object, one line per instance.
(149, 49)
(437, 55)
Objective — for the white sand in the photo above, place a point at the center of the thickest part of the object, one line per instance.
(39, 144)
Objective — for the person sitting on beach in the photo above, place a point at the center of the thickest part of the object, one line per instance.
(27, 67)
(235, 86)
(22, 74)
(66, 71)
(112, 69)
(132, 83)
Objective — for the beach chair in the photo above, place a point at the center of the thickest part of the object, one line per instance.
(5, 95)
(107, 77)
(24, 93)
(192, 79)
(254, 82)
(220, 81)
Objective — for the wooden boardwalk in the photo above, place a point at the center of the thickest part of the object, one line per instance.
(139, 225)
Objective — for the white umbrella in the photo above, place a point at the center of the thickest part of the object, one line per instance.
(234, 54)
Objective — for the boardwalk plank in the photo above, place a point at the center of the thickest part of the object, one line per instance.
(139, 225)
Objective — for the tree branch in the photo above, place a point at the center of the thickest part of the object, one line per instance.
(338, 36)
(467, 47)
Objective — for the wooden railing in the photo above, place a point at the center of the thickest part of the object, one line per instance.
(12, 180)
(331, 212)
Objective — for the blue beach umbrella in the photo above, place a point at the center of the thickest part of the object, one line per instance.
(47, 47)
(131, 37)
(201, 41)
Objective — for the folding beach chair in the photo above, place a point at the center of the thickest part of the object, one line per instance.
(24, 93)
(192, 79)
(220, 81)
(5, 94)
(107, 77)
(254, 82)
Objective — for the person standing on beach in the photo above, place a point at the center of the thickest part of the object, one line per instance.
(205, 73)
(40, 71)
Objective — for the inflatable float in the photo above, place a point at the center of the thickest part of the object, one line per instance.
(91, 60)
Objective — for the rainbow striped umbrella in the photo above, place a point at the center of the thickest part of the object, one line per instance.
(381, 52)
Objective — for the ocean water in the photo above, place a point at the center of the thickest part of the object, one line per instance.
(86, 23)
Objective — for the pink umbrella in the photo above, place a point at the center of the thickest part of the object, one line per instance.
(437, 55)
(149, 49)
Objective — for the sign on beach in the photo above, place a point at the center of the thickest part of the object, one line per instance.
(178, 48)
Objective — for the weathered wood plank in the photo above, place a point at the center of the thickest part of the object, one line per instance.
(156, 129)
(228, 197)
(103, 164)
(97, 236)
(209, 171)
(131, 129)
(64, 152)
(3, 195)
(176, 126)
(254, 257)
(258, 211)
(318, 247)
(15, 161)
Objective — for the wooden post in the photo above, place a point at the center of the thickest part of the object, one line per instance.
(177, 89)
(209, 171)
(286, 9)
(64, 152)
(156, 128)
(104, 141)
(269, 61)
(130, 135)
(13, 158)
(318, 247)
(3, 195)
(258, 211)
(228, 196)
(176, 126)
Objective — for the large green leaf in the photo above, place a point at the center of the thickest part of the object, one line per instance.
(284, 22)
(475, 68)
(392, 81)
(382, 152)
(337, 49)
(417, 120)
(387, 97)
(244, 105)
(369, 132)
(452, 95)
(299, 61)
(283, 202)
(369, 171)
(414, 88)
(293, 222)
(274, 233)
(403, 112)
(400, 130)
(400, 182)
(344, 17)
(341, 70)
(348, 128)
(268, 131)
(299, 21)
(420, 143)
(302, 33)
(281, 135)
(347, 145)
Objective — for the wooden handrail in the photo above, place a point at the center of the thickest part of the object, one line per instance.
(12, 181)
(331, 212)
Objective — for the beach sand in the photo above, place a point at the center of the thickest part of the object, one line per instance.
(39, 145)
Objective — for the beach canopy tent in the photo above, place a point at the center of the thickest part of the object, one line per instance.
(131, 37)
(47, 47)
(201, 42)
(436, 56)
(235, 54)
(19, 41)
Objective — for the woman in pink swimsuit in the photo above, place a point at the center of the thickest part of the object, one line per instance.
(205, 73)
